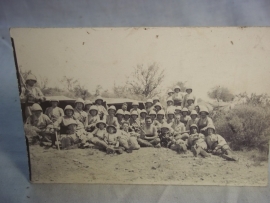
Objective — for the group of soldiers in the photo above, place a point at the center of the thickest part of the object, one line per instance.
(181, 125)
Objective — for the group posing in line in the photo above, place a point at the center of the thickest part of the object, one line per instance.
(180, 126)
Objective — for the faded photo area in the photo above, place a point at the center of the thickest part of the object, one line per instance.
(174, 106)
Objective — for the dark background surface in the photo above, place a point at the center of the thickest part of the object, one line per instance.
(14, 182)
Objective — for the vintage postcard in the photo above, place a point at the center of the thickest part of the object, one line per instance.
(174, 106)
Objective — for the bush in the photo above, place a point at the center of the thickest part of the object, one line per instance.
(245, 126)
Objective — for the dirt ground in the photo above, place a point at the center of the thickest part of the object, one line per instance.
(143, 166)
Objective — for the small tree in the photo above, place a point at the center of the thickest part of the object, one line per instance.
(82, 92)
(145, 81)
(221, 93)
(69, 83)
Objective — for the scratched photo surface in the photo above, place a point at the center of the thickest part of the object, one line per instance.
(174, 106)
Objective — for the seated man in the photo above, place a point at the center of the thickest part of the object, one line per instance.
(54, 112)
(149, 135)
(218, 145)
(127, 139)
(74, 136)
(40, 125)
(111, 119)
(179, 128)
(196, 142)
(112, 140)
(93, 118)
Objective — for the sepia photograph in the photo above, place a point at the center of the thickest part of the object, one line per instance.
(145, 105)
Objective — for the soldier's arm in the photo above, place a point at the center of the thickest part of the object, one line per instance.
(23, 95)
(61, 111)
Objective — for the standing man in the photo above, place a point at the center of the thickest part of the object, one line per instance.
(149, 106)
(102, 112)
(30, 94)
(149, 135)
(190, 96)
(178, 96)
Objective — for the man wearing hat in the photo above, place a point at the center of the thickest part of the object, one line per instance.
(218, 145)
(170, 117)
(155, 100)
(142, 117)
(134, 121)
(165, 135)
(111, 119)
(170, 93)
(61, 123)
(179, 128)
(54, 112)
(41, 125)
(157, 107)
(196, 142)
(135, 107)
(30, 94)
(124, 106)
(79, 113)
(149, 106)
(177, 96)
(112, 140)
(93, 118)
(160, 120)
(120, 117)
(102, 112)
(149, 135)
(87, 105)
(204, 120)
(188, 96)
(31, 90)
(74, 136)
(127, 139)
(126, 116)
(99, 135)
(194, 119)
(184, 117)
(170, 106)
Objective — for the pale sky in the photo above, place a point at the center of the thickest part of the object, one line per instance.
(237, 58)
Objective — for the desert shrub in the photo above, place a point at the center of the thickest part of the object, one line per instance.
(245, 126)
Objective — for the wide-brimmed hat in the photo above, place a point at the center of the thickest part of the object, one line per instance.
(31, 77)
(152, 112)
(143, 111)
(120, 112)
(127, 113)
(169, 99)
(184, 109)
(93, 108)
(111, 126)
(155, 98)
(194, 126)
(68, 107)
(177, 87)
(112, 107)
(79, 100)
(101, 121)
(36, 107)
(193, 112)
(204, 109)
(161, 112)
(87, 102)
(149, 101)
(99, 98)
(165, 125)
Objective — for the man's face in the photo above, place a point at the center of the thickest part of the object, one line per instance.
(87, 107)
(189, 91)
(54, 103)
(157, 108)
(184, 113)
(127, 117)
(170, 116)
(111, 112)
(143, 115)
(119, 116)
(69, 112)
(164, 130)
(124, 107)
(148, 121)
(169, 103)
(159, 116)
(99, 102)
(79, 105)
(190, 102)
(135, 107)
(148, 104)
(110, 130)
(134, 117)
(193, 116)
(31, 82)
(170, 94)
(210, 131)
(177, 90)
(193, 130)
(93, 112)
(37, 113)
(101, 126)
(155, 101)
(153, 116)
(125, 127)
(203, 114)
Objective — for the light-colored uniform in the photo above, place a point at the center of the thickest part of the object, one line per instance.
(112, 120)
(54, 113)
(81, 116)
(137, 110)
(185, 119)
(186, 97)
(34, 91)
(190, 122)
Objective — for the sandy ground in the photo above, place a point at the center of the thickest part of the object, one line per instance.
(144, 166)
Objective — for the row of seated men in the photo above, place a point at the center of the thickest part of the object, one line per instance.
(116, 130)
